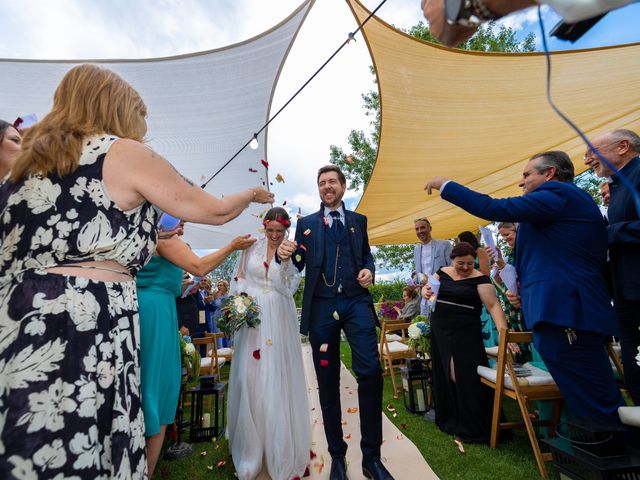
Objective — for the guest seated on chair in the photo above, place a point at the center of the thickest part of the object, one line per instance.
(411, 305)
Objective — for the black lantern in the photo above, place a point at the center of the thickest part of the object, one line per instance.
(416, 388)
(208, 414)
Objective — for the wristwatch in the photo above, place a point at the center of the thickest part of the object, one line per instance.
(468, 13)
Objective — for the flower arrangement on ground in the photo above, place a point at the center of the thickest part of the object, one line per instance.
(420, 335)
(239, 311)
(190, 356)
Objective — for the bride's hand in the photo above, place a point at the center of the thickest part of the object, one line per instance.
(286, 249)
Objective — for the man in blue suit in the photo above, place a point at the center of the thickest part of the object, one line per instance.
(333, 245)
(560, 259)
(621, 148)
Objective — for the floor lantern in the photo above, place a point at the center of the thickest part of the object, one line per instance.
(208, 413)
(416, 388)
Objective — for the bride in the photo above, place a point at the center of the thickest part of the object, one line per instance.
(267, 404)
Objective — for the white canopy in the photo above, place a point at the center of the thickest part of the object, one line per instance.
(202, 108)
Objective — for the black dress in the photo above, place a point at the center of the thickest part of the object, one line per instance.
(463, 408)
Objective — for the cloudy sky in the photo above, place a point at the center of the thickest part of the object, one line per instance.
(323, 114)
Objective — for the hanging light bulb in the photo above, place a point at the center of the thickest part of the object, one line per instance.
(254, 142)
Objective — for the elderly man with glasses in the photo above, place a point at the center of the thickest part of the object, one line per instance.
(621, 149)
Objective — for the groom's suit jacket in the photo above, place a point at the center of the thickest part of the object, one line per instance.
(311, 237)
(560, 253)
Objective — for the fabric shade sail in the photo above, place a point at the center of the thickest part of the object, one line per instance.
(476, 118)
(202, 108)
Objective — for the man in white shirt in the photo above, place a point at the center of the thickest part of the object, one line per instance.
(429, 255)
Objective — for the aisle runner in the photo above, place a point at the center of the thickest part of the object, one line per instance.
(399, 454)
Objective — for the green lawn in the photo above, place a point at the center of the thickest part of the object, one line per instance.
(513, 459)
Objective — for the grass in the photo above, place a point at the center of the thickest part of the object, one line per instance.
(513, 459)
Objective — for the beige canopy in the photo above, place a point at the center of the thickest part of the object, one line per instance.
(476, 118)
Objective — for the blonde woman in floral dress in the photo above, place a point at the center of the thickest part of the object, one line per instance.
(76, 225)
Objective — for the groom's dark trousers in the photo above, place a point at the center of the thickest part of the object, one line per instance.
(356, 318)
(333, 301)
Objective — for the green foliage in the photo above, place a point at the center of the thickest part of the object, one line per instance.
(297, 297)
(395, 257)
(391, 290)
(588, 182)
(224, 271)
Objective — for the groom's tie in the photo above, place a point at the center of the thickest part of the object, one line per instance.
(336, 226)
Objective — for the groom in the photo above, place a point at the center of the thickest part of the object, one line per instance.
(334, 246)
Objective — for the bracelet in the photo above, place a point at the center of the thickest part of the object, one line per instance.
(482, 12)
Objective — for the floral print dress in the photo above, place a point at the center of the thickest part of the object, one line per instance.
(69, 371)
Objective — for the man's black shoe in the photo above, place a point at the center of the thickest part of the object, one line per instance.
(338, 469)
(375, 470)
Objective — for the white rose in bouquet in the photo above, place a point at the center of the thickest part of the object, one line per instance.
(241, 308)
(414, 332)
(189, 349)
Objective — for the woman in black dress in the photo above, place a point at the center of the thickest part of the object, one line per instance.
(463, 404)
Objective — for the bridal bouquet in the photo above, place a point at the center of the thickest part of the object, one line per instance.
(239, 311)
(419, 335)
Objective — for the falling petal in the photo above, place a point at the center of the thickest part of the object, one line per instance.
(298, 258)
(279, 178)
(324, 347)
(326, 221)
(253, 170)
(312, 454)
(256, 354)
(335, 315)
(324, 363)
(269, 342)
(284, 203)
(266, 265)
(307, 473)
(303, 247)
(235, 279)
(347, 436)
(352, 409)
(264, 163)
(307, 232)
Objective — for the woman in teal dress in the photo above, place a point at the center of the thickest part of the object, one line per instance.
(158, 284)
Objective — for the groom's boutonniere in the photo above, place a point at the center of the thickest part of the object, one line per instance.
(353, 230)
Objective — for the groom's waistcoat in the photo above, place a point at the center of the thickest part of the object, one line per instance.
(338, 259)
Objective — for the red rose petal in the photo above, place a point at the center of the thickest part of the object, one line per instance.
(324, 363)
(264, 163)
(253, 170)
(235, 279)
(256, 354)
(284, 203)
(303, 247)
(312, 454)
(221, 464)
(266, 265)
(307, 473)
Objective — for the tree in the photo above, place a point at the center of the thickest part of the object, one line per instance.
(357, 165)
(588, 182)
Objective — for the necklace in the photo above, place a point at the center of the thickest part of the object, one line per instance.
(335, 270)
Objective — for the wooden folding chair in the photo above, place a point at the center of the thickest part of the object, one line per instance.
(393, 348)
(210, 364)
(523, 394)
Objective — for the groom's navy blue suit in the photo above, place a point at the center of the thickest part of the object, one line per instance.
(334, 300)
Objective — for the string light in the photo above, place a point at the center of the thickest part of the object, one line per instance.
(253, 144)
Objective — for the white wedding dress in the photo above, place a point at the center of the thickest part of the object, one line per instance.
(268, 412)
